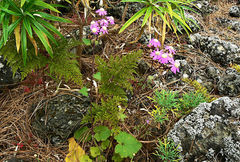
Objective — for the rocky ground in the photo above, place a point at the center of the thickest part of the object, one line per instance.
(210, 132)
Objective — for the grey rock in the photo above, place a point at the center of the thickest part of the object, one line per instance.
(205, 7)
(56, 119)
(229, 84)
(145, 38)
(220, 51)
(213, 73)
(117, 10)
(234, 11)
(6, 74)
(232, 24)
(210, 131)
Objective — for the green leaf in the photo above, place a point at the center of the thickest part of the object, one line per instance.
(51, 17)
(105, 144)
(181, 20)
(102, 133)
(9, 11)
(44, 30)
(170, 11)
(45, 5)
(97, 76)
(159, 12)
(117, 158)
(22, 2)
(13, 5)
(27, 26)
(5, 28)
(50, 27)
(95, 151)
(24, 45)
(13, 25)
(84, 91)
(147, 15)
(133, 18)
(85, 158)
(43, 40)
(86, 41)
(127, 145)
(82, 134)
(68, 1)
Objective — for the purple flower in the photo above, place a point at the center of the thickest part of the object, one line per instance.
(170, 57)
(95, 30)
(175, 67)
(94, 24)
(155, 43)
(110, 19)
(104, 30)
(170, 49)
(164, 59)
(156, 54)
(101, 12)
(147, 121)
(94, 27)
(103, 22)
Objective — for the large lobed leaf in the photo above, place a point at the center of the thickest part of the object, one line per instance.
(127, 145)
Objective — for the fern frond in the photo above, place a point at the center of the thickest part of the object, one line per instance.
(116, 73)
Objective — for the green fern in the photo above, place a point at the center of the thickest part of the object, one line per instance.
(116, 73)
(107, 111)
(62, 65)
(115, 76)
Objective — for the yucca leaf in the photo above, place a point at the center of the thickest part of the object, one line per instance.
(161, 15)
(147, 15)
(181, 20)
(133, 18)
(5, 28)
(44, 30)
(24, 45)
(27, 26)
(176, 25)
(17, 34)
(51, 17)
(1, 42)
(164, 31)
(13, 25)
(29, 14)
(190, 9)
(43, 40)
(68, 1)
(10, 2)
(50, 27)
(9, 11)
(170, 11)
(45, 5)
(34, 43)
(22, 2)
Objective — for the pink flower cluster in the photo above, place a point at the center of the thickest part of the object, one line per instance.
(100, 26)
(164, 56)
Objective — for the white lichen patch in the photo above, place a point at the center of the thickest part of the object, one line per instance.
(1, 65)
